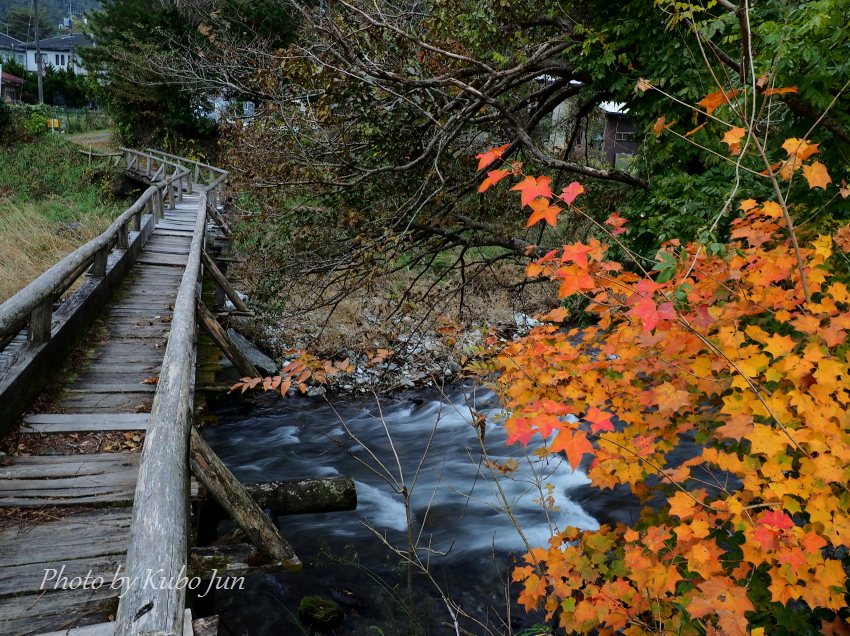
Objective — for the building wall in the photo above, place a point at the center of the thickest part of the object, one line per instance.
(618, 135)
(57, 59)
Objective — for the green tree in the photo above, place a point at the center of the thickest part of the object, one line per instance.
(20, 23)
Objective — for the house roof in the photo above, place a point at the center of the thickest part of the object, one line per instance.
(614, 108)
(62, 43)
(11, 79)
(9, 43)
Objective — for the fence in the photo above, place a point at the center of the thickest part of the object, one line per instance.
(80, 120)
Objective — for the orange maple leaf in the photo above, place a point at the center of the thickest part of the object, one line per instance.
(842, 239)
(800, 147)
(577, 253)
(575, 444)
(486, 158)
(493, 177)
(712, 101)
(543, 210)
(531, 188)
(734, 136)
(816, 175)
(780, 91)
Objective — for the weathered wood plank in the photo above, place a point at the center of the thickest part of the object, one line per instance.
(56, 611)
(85, 423)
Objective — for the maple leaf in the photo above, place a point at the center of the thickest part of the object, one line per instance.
(788, 167)
(800, 147)
(486, 158)
(575, 280)
(531, 188)
(842, 239)
(844, 191)
(777, 519)
(835, 627)
(812, 542)
(779, 346)
(734, 136)
(712, 101)
(569, 194)
(577, 253)
(543, 210)
(816, 175)
(659, 126)
(616, 222)
(737, 427)
(642, 85)
(766, 440)
(493, 177)
(695, 130)
(747, 205)
(599, 420)
(575, 444)
(647, 311)
(780, 91)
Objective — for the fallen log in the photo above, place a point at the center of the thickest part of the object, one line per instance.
(305, 496)
(237, 559)
(233, 497)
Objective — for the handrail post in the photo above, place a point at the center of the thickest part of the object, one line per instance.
(160, 203)
(123, 237)
(180, 187)
(148, 167)
(98, 268)
(40, 321)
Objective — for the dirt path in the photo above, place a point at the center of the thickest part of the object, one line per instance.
(99, 140)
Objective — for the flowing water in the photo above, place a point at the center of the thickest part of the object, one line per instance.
(425, 442)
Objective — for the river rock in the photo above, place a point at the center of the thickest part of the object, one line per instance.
(319, 614)
(264, 364)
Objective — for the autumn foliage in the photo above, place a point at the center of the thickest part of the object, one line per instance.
(736, 350)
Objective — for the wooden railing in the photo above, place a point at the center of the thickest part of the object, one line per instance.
(199, 170)
(158, 532)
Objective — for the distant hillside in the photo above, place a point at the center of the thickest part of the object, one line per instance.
(53, 11)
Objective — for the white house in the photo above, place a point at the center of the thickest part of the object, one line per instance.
(12, 50)
(58, 52)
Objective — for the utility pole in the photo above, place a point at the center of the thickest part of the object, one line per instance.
(38, 56)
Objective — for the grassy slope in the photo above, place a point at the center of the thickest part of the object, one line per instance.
(46, 189)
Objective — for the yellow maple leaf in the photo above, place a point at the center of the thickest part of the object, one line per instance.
(766, 440)
(733, 136)
(800, 147)
(816, 175)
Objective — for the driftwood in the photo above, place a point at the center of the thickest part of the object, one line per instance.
(305, 496)
(233, 497)
(225, 284)
(224, 342)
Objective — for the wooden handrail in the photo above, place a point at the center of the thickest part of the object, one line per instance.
(159, 532)
(44, 288)
(199, 164)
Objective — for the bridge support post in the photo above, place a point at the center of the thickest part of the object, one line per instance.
(137, 218)
(40, 321)
(180, 189)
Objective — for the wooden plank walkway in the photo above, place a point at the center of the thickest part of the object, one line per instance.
(112, 393)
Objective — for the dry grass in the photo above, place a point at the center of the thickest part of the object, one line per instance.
(30, 243)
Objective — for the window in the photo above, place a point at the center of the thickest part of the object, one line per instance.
(21, 58)
(57, 59)
(621, 136)
(63, 59)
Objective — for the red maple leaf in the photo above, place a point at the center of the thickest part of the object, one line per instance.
(569, 194)
(532, 188)
(574, 444)
(616, 222)
(777, 519)
(647, 311)
(486, 158)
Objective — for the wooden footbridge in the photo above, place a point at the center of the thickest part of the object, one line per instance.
(81, 558)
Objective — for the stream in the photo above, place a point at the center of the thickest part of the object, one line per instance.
(470, 542)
